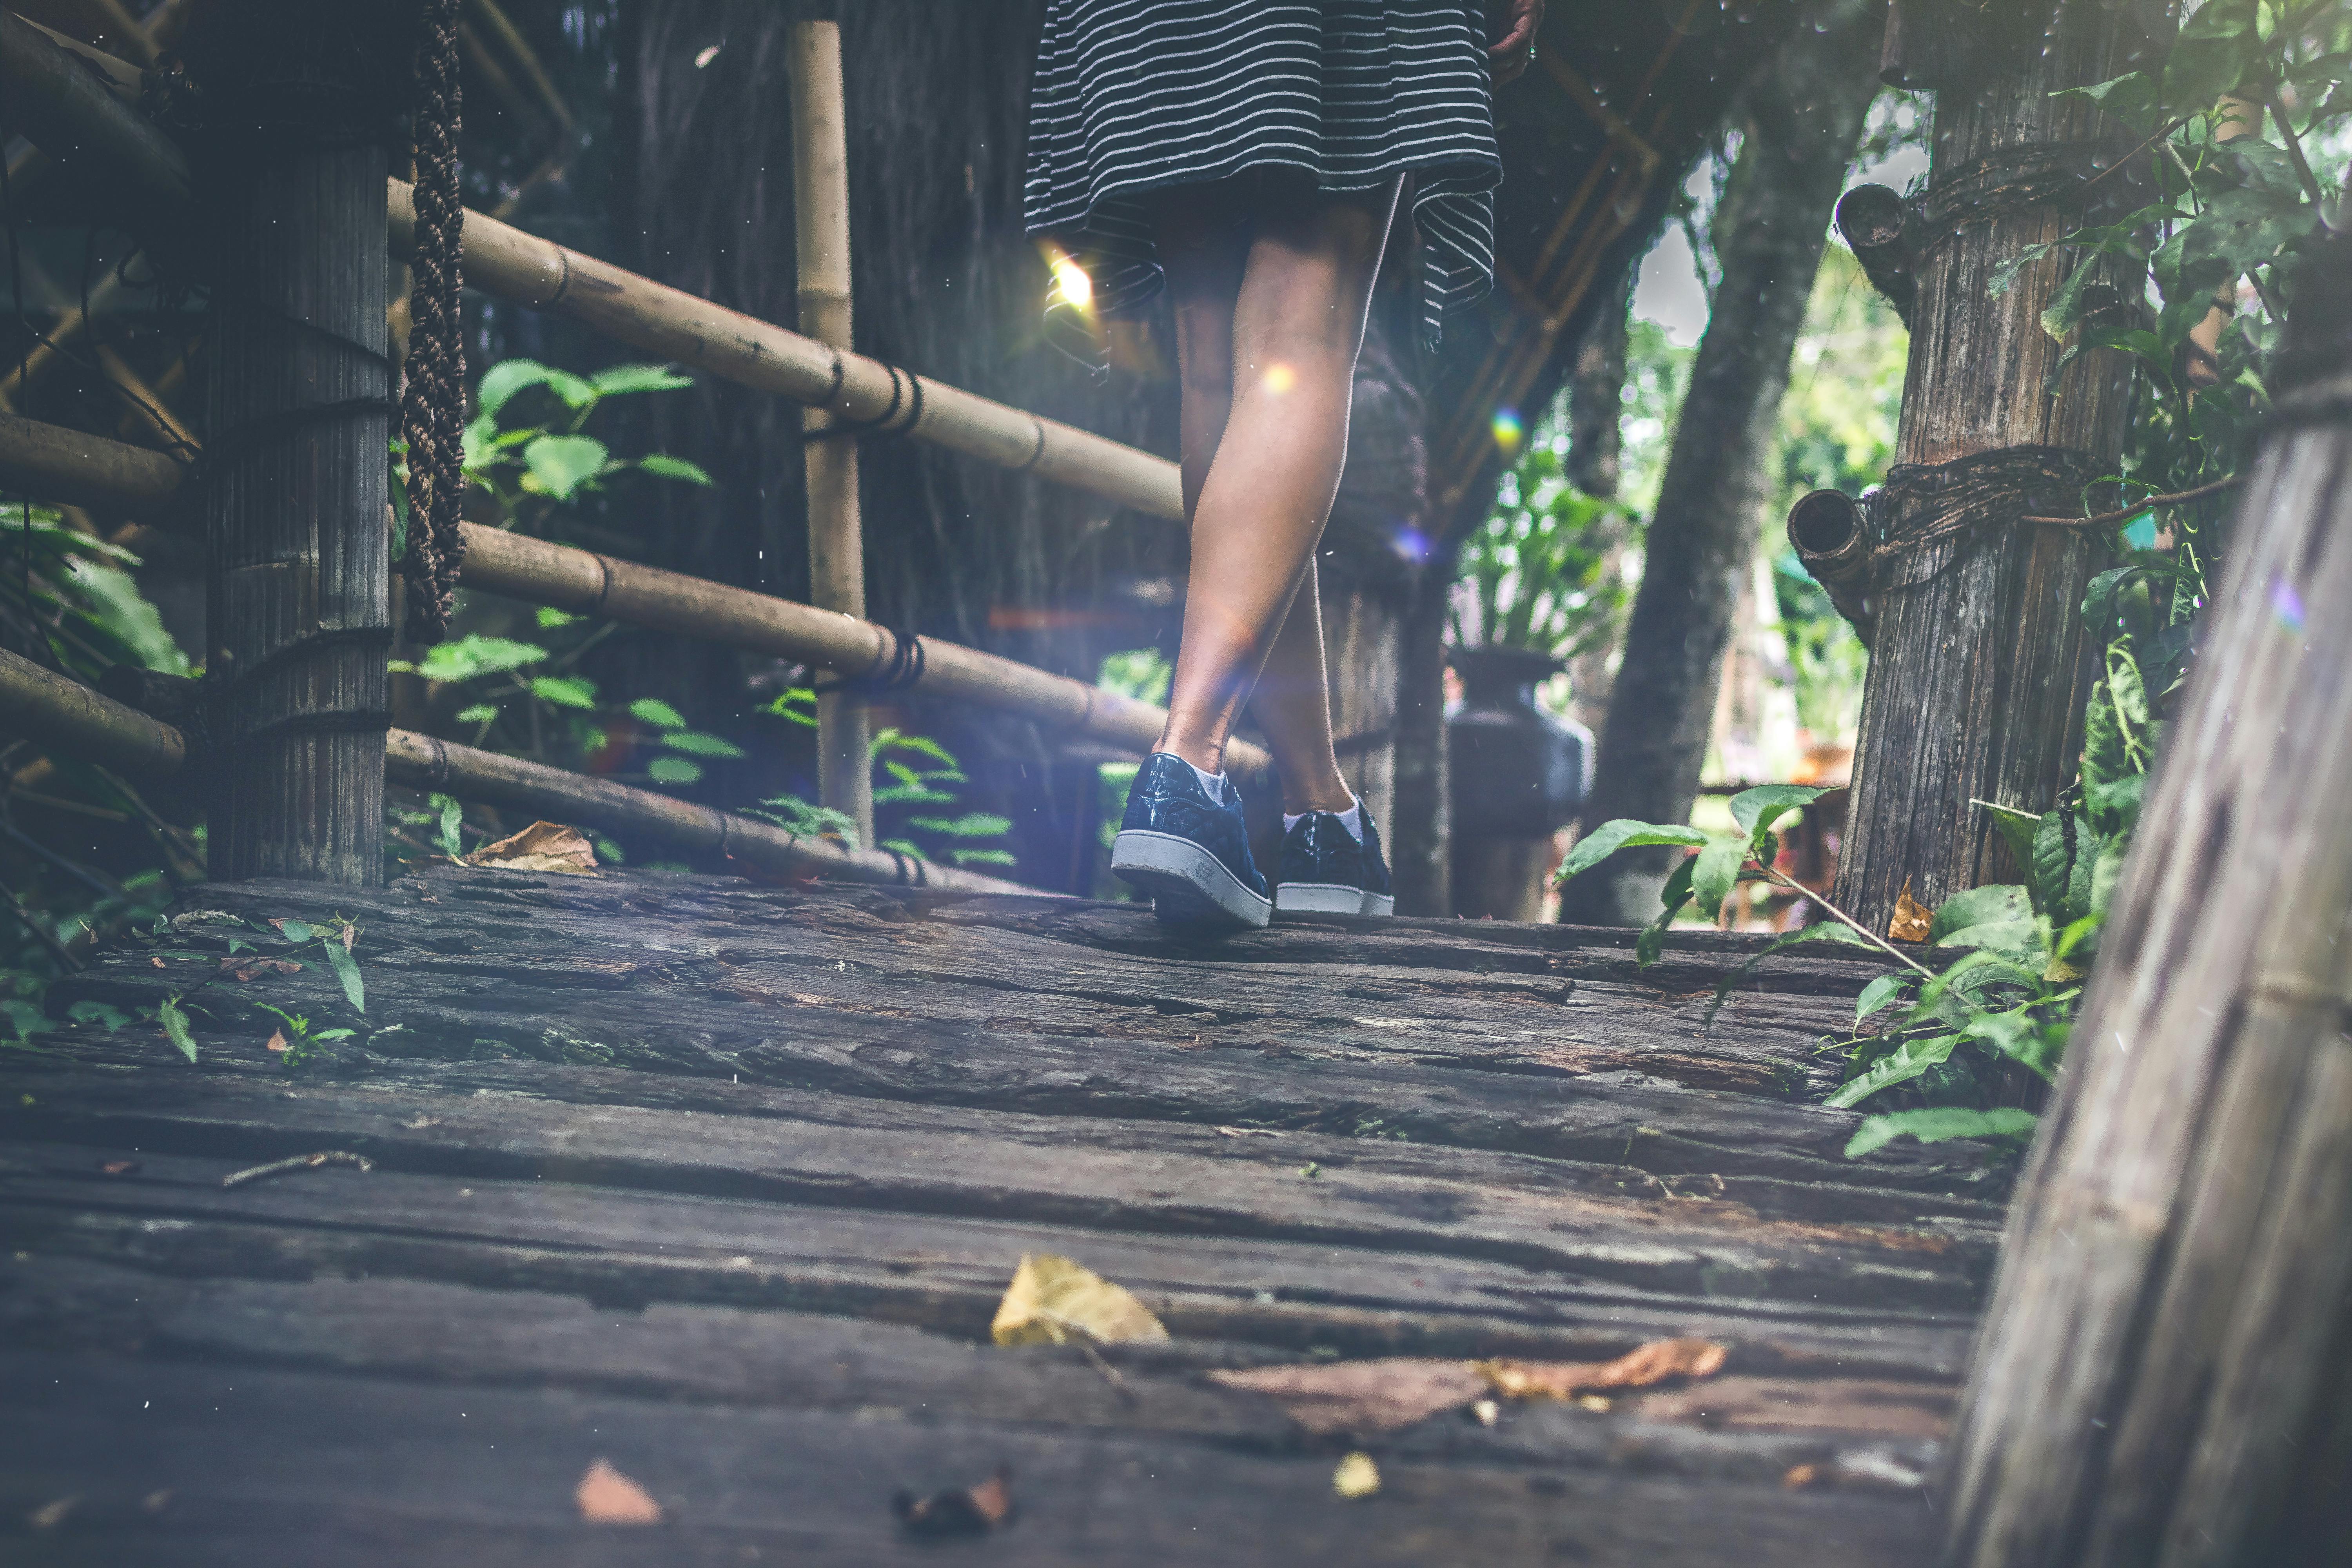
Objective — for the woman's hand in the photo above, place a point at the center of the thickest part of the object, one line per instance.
(1517, 46)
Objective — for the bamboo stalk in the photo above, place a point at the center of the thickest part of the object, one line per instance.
(59, 711)
(656, 319)
(836, 529)
(58, 464)
(489, 15)
(72, 115)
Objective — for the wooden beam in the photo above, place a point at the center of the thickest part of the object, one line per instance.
(2165, 1373)
(75, 116)
(57, 464)
(59, 711)
(1979, 657)
(835, 529)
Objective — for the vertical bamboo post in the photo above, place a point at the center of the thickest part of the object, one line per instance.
(297, 396)
(2165, 1374)
(836, 546)
(1979, 656)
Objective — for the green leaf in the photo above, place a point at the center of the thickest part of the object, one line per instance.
(2063, 846)
(1714, 871)
(549, 618)
(175, 1026)
(700, 744)
(2016, 829)
(27, 1019)
(105, 1015)
(1901, 1064)
(563, 690)
(922, 745)
(2004, 274)
(972, 825)
(1759, 810)
(562, 464)
(904, 847)
(673, 770)
(453, 816)
(658, 714)
(663, 466)
(579, 395)
(479, 713)
(620, 380)
(1939, 1125)
(1624, 832)
(471, 657)
(2217, 50)
(347, 970)
(298, 931)
(1877, 994)
(1671, 899)
(503, 380)
(2107, 874)
(1980, 906)
(2130, 98)
(115, 603)
(982, 857)
(2016, 939)
(334, 1034)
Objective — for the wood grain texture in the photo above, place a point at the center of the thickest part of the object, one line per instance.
(2161, 1379)
(1978, 671)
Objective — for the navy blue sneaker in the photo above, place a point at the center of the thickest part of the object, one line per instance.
(1189, 852)
(1325, 870)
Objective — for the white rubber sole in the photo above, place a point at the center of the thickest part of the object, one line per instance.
(1330, 898)
(1188, 885)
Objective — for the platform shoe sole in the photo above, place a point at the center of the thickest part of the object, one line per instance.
(1330, 898)
(1188, 886)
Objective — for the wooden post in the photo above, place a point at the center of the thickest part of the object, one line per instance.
(297, 414)
(2166, 1373)
(837, 547)
(1979, 659)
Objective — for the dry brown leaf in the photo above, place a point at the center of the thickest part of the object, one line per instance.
(1362, 1395)
(1799, 1477)
(959, 1510)
(277, 1040)
(1052, 1300)
(245, 969)
(607, 1497)
(1912, 919)
(1637, 1368)
(1356, 1476)
(119, 1167)
(542, 847)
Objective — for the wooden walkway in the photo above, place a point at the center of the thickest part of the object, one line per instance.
(723, 1182)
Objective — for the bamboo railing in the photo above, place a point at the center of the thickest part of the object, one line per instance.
(62, 712)
(88, 470)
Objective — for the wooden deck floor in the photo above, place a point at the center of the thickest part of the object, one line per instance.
(723, 1182)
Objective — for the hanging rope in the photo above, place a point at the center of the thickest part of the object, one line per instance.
(432, 410)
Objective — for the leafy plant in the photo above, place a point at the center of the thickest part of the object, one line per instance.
(968, 839)
(553, 459)
(301, 1043)
(1543, 573)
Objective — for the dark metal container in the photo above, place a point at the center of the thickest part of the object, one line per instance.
(1516, 772)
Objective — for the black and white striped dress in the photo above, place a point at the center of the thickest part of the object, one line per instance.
(1134, 95)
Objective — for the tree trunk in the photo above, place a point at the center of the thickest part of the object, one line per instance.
(1805, 117)
(1596, 403)
(2165, 1373)
(1979, 659)
(1420, 856)
(297, 421)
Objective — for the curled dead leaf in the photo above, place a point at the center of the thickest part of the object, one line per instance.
(1052, 1300)
(542, 847)
(1361, 1395)
(1356, 1476)
(959, 1510)
(277, 1040)
(245, 968)
(607, 1497)
(1912, 919)
(1637, 1368)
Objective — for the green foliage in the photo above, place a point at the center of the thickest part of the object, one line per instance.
(970, 839)
(550, 459)
(1543, 572)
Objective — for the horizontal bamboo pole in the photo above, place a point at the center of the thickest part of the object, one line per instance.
(660, 320)
(79, 118)
(53, 463)
(61, 711)
(58, 710)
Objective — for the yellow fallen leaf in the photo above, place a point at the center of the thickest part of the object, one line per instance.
(1356, 1477)
(1362, 1395)
(607, 1497)
(1052, 1300)
(1637, 1368)
(1912, 919)
(542, 847)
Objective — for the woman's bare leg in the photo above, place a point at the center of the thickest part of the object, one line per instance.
(1259, 509)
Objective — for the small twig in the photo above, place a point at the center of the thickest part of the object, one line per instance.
(2294, 155)
(299, 1162)
(1110, 1372)
(1772, 875)
(2122, 514)
(2124, 161)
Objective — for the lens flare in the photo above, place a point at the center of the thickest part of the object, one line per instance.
(1280, 378)
(1508, 431)
(1071, 281)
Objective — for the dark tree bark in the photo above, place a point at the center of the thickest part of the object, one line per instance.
(1596, 402)
(1980, 660)
(2165, 1372)
(1804, 117)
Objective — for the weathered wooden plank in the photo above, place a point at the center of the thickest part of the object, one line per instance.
(880, 1155)
(454, 1334)
(263, 1467)
(170, 1215)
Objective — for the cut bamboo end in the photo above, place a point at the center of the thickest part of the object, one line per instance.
(1876, 222)
(1826, 529)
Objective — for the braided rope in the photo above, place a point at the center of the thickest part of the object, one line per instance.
(433, 403)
